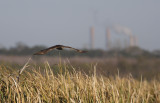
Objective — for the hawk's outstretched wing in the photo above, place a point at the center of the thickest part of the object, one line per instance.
(59, 47)
(80, 51)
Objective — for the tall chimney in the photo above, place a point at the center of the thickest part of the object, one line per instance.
(92, 38)
(108, 39)
(135, 41)
(131, 40)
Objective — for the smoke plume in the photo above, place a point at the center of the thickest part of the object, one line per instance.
(122, 30)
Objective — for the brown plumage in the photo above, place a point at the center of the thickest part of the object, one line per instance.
(59, 47)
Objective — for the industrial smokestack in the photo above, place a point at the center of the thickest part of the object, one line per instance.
(135, 41)
(131, 41)
(92, 38)
(128, 32)
(108, 39)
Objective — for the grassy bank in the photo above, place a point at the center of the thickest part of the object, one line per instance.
(41, 84)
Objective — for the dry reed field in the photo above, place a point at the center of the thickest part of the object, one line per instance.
(36, 84)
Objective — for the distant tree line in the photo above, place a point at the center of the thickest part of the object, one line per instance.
(21, 50)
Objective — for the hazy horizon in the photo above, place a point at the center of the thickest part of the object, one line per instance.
(50, 22)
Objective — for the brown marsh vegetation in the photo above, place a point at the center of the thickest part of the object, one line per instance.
(68, 81)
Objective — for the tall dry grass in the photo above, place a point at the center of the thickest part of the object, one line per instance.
(41, 85)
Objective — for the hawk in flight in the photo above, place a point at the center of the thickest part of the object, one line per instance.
(59, 47)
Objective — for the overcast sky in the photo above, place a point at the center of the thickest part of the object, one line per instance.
(50, 22)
